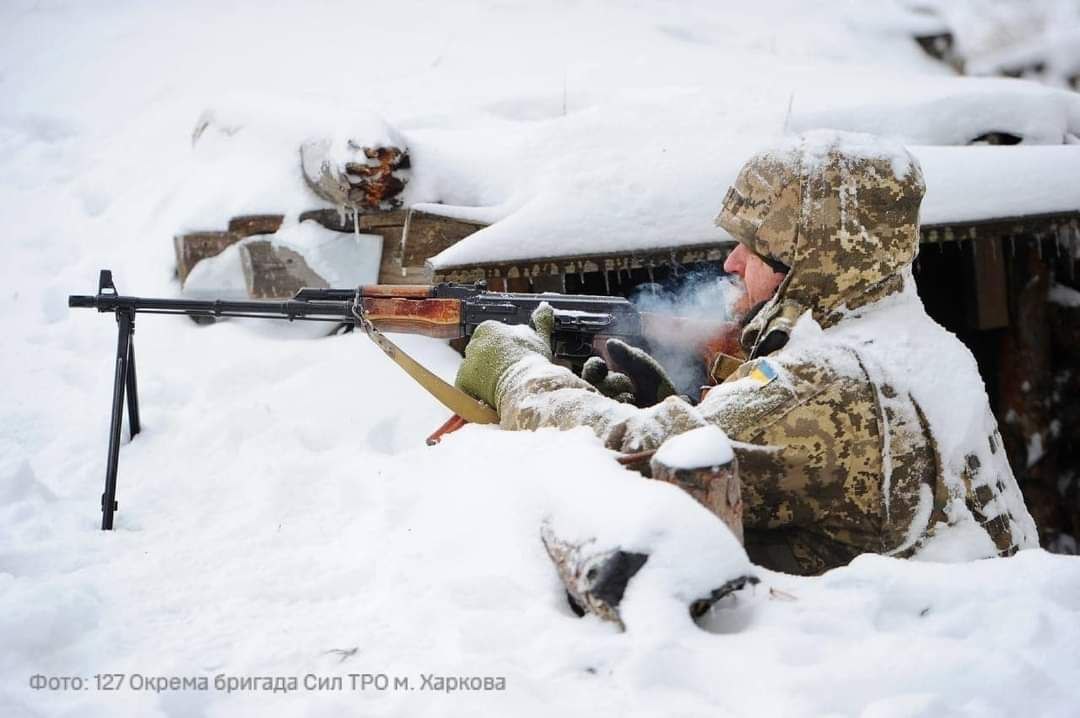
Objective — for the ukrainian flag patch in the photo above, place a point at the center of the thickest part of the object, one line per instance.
(763, 373)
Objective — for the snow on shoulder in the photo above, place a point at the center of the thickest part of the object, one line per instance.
(704, 446)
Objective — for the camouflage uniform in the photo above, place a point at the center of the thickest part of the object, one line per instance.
(844, 443)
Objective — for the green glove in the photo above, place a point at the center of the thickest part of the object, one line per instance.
(611, 384)
(651, 383)
(495, 347)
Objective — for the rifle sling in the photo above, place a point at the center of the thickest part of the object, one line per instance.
(448, 395)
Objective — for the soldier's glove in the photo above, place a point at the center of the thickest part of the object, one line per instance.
(648, 383)
(612, 384)
(495, 347)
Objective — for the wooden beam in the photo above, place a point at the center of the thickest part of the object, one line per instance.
(276, 272)
(988, 306)
(194, 247)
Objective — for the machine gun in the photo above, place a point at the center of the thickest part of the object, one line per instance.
(583, 324)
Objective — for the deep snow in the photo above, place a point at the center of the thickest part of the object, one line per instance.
(280, 504)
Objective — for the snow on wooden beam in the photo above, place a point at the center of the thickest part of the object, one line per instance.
(193, 247)
(1001, 228)
(275, 272)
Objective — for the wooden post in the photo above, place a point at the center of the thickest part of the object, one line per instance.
(714, 485)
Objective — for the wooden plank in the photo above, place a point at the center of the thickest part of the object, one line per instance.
(988, 303)
(248, 225)
(345, 221)
(275, 272)
(193, 247)
(427, 234)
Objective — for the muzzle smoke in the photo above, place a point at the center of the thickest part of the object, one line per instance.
(700, 307)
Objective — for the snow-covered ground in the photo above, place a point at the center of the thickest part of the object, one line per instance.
(279, 514)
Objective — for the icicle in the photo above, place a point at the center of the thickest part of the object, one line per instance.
(1012, 246)
(1072, 245)
(356, 224)
(652, 277)
(607, 284)
(562, 278)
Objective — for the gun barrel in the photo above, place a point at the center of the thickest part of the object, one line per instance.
(288, 309)
(81, 301)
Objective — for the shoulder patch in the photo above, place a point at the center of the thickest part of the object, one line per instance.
(763, 373)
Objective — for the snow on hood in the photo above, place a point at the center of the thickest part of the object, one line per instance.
(840, 209)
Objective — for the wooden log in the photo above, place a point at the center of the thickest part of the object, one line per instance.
(371, 182)
(595, 579)
(713, 484)
(276, 272)
(193, 247)
(249, 225)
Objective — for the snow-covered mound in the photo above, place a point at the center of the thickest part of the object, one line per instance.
(279, 515)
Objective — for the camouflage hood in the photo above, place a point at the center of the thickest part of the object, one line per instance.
(840, 210)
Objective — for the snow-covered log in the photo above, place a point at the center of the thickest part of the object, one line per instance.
(275, 272)
(359, 178)
(702, 463)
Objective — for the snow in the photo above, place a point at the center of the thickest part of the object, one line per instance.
(1064, 296)
(994, 35)
(707, 446)
(891, 338)
(279, 503)
(657, 173)
(341, 260)
(1026, 180)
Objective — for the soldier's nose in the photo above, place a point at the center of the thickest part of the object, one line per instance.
(736, 260)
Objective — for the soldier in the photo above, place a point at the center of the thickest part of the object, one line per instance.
(860, 424)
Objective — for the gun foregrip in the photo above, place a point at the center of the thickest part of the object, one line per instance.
(82, 301)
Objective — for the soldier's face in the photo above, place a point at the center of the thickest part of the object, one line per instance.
(760, 279)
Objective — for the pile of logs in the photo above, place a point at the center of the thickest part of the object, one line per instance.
(366, 197)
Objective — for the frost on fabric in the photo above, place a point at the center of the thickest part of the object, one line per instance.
(535, 393)
(894, 335)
